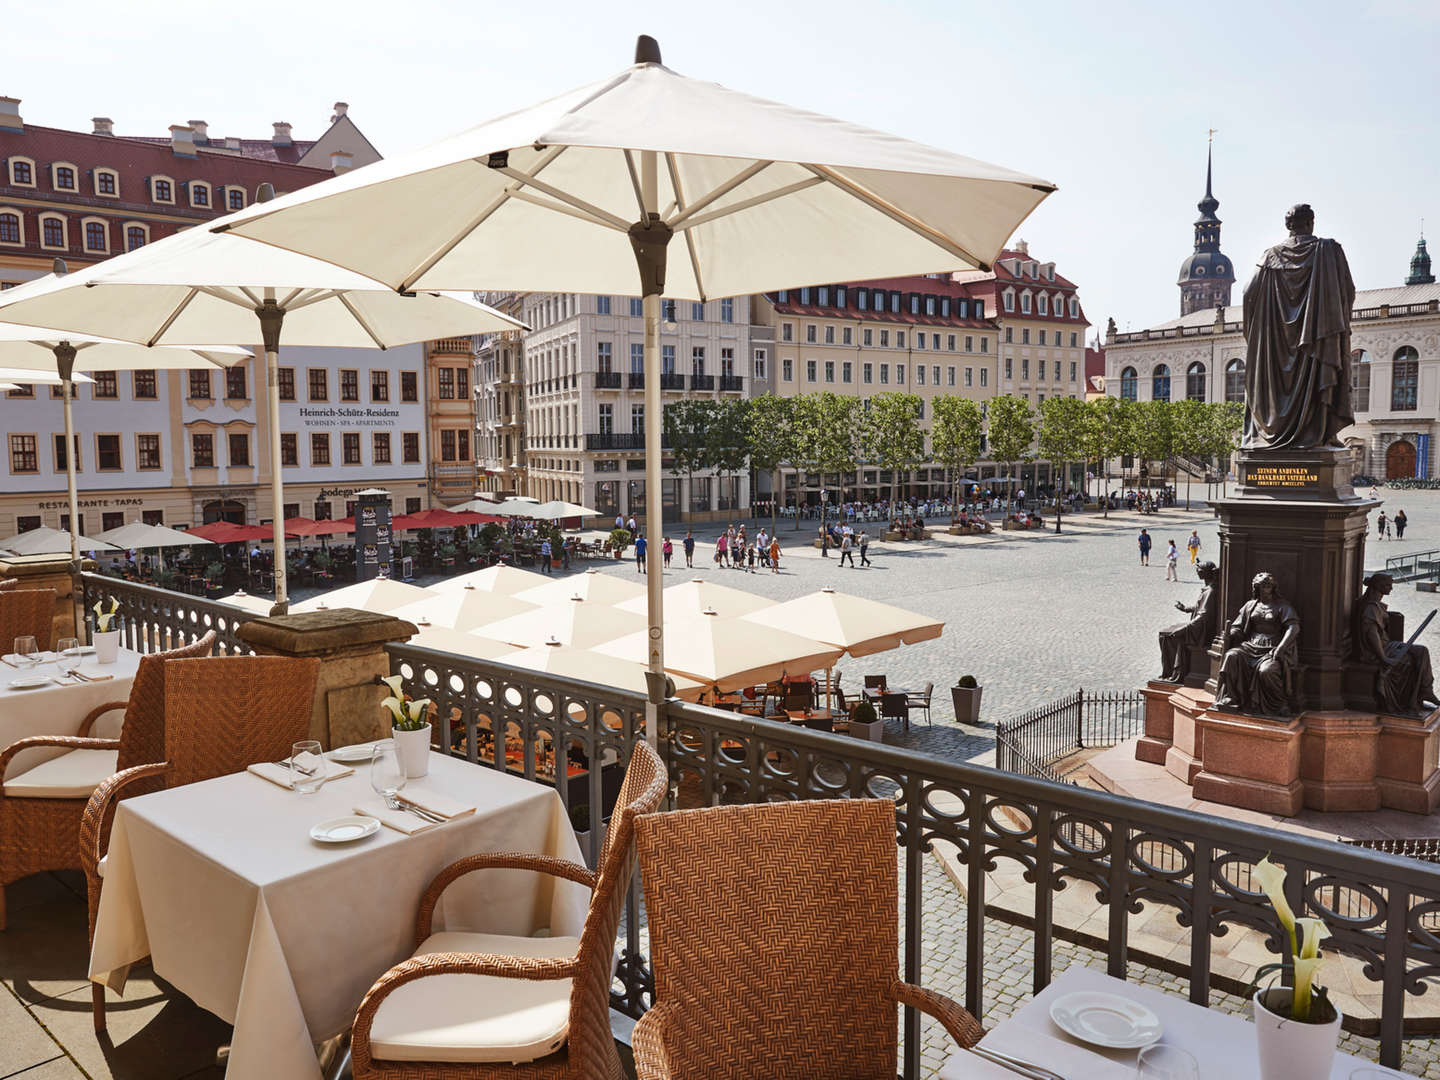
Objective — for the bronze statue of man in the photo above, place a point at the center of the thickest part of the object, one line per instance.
(1297, 342)
(1175, 641)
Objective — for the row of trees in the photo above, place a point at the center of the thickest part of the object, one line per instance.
(827, 433)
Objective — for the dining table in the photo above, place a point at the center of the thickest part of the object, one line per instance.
(1223, 1045)
(58, 707)
(281, 935)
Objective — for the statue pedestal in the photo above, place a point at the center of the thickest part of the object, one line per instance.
(1250, 762)
(1408, 762)
(1159, 722)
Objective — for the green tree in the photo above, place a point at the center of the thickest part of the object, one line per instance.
(892, 435)
(687, 426)
(828, 435)
(1012, 430)
(955, 431)
(1106, 437)
(1227, 422)
(1153, 433)
(771, 435)
(728, 438)
(1062, 438)
(1190, 436)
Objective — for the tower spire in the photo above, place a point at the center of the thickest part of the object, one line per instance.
(1206, 276)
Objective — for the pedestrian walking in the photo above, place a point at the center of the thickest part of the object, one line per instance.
(864, 547)
(545, 552)
(1400, 522)
(753, 548)
(774, 554)
(720, 555)
(1193, 546)
(689, 545)
(667, 551)
(1172, 556)
(1382, 526)
(824, 542)
(1144, 548)
(846, 552)
(640, 547)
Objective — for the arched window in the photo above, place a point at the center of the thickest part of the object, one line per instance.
(1360, 380)
(1405, 380)
(95, 236)
(9, 228)
(1129, 384)
(1009, 300)
(1025, 303)
(107, 182)
(1195, 382)
(52, 231)
(1160, 383)
(1043, 302)
(136, 236)
(1235, 380)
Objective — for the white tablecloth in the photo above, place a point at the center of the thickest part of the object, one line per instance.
(1222, 1043)
(58, 710)
(282, 936)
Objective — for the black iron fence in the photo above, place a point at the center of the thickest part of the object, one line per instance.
(1413, 567)
(1035, 742)
(1380, 908)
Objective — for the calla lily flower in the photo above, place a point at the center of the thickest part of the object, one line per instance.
(396, 707)
(1271, 880)
(1310, 930)
(396, 685)
(1305, 970)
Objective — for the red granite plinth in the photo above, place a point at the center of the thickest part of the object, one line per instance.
(1250, 762)
(1339, 752)
(1158, 736)
(1408, 763)
(1186, 755)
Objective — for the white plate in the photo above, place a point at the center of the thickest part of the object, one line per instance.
(30, 682)
(1106, 1020)
(342, 830)
(358, 752)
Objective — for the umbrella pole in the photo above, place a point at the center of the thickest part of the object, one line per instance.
(65, 362)
(272, 316)
(650, 238)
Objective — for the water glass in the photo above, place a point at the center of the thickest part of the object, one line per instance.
(307, 766)
(387, 774)
(27, 651)
(1160, 1062)
(67, 654)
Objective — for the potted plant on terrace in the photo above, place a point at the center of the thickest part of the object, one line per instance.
(864, 724)
(106, 640)
(619, 541)
(409, 726)
(1296, 1023)
(965, 696)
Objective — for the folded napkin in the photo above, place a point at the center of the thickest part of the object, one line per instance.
(281, 774)
(1069, 1059)
(410, 824)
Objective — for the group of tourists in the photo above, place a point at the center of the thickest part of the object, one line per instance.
(734, 550)
(1383, 524)
(845, 537)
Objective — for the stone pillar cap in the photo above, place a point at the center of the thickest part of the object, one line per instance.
(315, 633)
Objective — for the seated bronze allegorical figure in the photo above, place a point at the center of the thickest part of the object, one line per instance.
(1404, 684)
(1257, 673)
(1175, 641)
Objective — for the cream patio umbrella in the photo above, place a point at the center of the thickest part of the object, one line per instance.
(493, 579)
(592, 585)
(256, 605)
(446, 639)
(696, 596)
(138, 535)
(198, 287)
(48, 541)
(570, 663)
(381, 595)
(559, 509)
(765, 196)
(462, 609)
(577, 622)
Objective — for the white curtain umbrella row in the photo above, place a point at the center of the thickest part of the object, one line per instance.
(203, 288)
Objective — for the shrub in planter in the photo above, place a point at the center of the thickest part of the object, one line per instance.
(580, 817)
(619, 541)
(965, 697)
(864, 713)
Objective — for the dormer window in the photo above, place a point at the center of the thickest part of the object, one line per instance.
(1025, 303)
(107, 182)
(22, 172)
(1043, 304)
(63, 177)
(162, 189)
(199, 194)
(1010, 300)
(1074, 308)
(235, 198)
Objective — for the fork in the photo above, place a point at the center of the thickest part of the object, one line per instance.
(289, 763)
(394, 802)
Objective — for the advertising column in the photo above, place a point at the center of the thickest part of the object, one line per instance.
(372, 534)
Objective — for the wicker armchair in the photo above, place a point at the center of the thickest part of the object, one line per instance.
(26, 612)
(9, 583)
(774, 937)
(527, 1008)
(41, 809)
(220, 715)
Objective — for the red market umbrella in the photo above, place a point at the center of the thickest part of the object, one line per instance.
(227, 532)
(305, 527)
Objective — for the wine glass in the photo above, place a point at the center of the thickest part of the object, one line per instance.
(26, 651)
(307, 766)
(1160, 1062)
(67, 654)
(387, 775)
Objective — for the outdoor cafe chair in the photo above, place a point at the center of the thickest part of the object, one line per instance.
(921, 700)
(27, 613)
(895, 707)
(220, 715)
(875, 682)
(471, 1005)
(810, 888)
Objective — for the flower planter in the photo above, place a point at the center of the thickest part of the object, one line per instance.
(1290, 1049)
(107, 646)
(413, 749)
(966, 700)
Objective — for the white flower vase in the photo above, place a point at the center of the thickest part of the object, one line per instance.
(1290, 1049)
(413, 749)
(107, 646)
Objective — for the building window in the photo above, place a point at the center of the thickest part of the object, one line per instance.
(136, 236)
(867, 336)
(1359, 381)
(1042, 338)
(9, 228)
(727, 362)
(759, 363)
(984, 376)
(200, 385)
(787, 369)
(61, 464)
(235, 383)
(410, 447)
(1072, 339)
(867, 370)
(920, 340)
(64, 177)
(1025, 336)
(289, 450)
(1042, 304)
(637, 307)
(22, 172)
(884, 339)
(1009, 300)
(1074, 309)
(899, 339)
(319, 384)
(447, 383)
(935, 375)
(409, 386)
(107, 384)
(667, 359)
(162, 191)
(199, 195)
(1025, 369)
(1405, 380)
(239, 450)
(144, 383)
(350, 447)
(322, 510)
(607, 419)
(970, 376)
(829, 371)
(637, 419)
(1009, 335)
(95, 236)
(602, 305)
(1160, 383)
(1072, 370)
(810, 368)
(285, 383)
(1195, 382)
(697, 311)
(320, 448)
(147, 451)
(380, 447)
(919, 374)
(1130, 384)
(984, 344)
(727, 310)
(52, 232)
(1057, 369)
(787, 331)
(349, 384)
(1009, 367)
(829, 335)
(235, 198)
(202, 450)
(379, 386)
(697, 360)
(810, 337)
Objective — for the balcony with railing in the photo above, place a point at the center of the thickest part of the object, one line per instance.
(670, 381)
(618, 440)
(1189, 873)
(702, 382)
(637, 380)
(732, 383)
(462, 346)
(607, 380)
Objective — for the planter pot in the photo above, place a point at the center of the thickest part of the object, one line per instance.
(1289, 1049)
(413, 749)
(966, 700)
(107, 646)
(874, 731)
(583, 839)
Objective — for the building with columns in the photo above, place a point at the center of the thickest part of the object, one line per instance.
(500, 402)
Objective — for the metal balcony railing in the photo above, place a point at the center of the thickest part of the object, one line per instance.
(637, 380)
(607, 380)
(732, 382)
(616, 440)
(671, 381)
(702, 382)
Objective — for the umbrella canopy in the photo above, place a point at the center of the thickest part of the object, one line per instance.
(378, 594)
(438, 519)
(857, 625)
(591, 585)
(493, 579)
(241, 599)
(462, 609)
(571, 663)
(227, 532)
(696, 596)
(37, 377)
(457, 641)
(519, 506)
(580, 623)
(136, 534)
(48, 541)
(559, 509)
(306, 527)
(728, 653)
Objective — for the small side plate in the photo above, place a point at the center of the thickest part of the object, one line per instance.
(342, 830)
(1106, 1020)
(30, 682)
(349, 754)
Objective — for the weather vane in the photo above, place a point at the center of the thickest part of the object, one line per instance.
(1213, 133)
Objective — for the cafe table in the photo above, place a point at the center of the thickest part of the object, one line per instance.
(58, 707)
(280, 935)
(1223, 1044)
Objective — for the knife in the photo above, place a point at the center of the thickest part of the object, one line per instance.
(1016, 1065)
(420, 811)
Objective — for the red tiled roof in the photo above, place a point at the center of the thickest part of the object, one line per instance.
(1094, 361)
(913, 283)
(254, 149)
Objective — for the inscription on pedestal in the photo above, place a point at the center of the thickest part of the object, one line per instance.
(1282, 476)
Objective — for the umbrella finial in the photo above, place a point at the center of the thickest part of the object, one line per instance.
(265, 192)
(647, 50)
(58, 268)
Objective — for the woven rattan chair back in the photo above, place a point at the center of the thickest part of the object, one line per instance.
(142, 739)
(26, 612)
(7, 583)
(641, 793)
(774, 937)
(227, 712)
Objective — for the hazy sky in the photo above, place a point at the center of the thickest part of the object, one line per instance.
(1328, 103)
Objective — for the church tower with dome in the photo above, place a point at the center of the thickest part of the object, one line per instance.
(1206, 276)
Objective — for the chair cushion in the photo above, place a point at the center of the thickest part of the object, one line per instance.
(72, 775)
(476, 1017)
